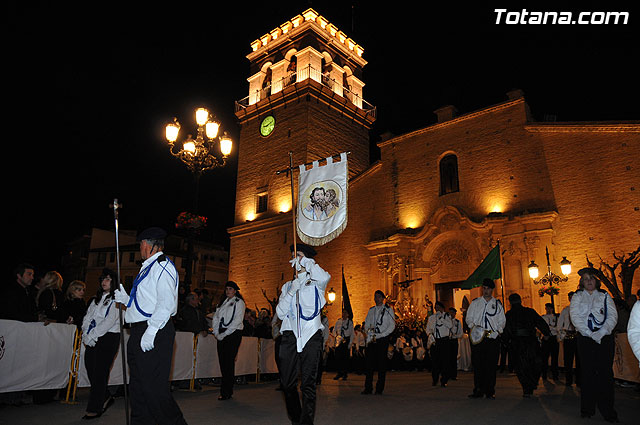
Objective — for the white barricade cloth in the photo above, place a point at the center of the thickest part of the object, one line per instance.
(464, 353)
(34, 356)
(322, 201)
(268, 356)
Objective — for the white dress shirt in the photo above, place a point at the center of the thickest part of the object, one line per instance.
(344, 328)
(591, 312)
(488, 315)
(439, 325)
(311, 299)
(380, 322)
(564, 323)
(633, 329)
(231, 315)
(154, 296)
(101, 318)
(456, 329)
(552, 321)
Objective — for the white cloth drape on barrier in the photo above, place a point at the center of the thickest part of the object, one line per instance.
(33, 356)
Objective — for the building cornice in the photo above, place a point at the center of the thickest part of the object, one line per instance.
(454, 121)
(586, 127)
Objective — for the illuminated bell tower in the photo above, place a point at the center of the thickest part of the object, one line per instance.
(305, 96)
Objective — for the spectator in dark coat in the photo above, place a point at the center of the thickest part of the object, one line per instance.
(15, 300)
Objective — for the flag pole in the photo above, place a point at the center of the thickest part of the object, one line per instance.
(115, 207)
(295, 242)
(501, 273)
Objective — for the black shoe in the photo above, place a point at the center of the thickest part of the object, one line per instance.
(475, 395)
(335, 378)
(378, 393)
(344, 377)
(108, 404)
(89, 417)
(366, 392)
(434, 383)
(491, 397)
(443, 384)
(586, 415)
(224, 397)
(614, 420)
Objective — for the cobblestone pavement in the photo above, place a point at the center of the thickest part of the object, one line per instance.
(409, 399)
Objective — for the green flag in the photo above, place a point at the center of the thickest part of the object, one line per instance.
(489, 268)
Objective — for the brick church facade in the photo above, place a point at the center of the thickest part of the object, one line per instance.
(438, 199)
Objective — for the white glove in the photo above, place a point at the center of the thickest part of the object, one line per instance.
(149, 336)
(307, 262)
(89, 341)
(121, 295)
(295, 263)
(294, 286)
(597, 336)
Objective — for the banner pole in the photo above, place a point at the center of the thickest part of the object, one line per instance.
(295, 238)
(115, 207)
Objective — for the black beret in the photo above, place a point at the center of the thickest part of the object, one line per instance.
(232, 284)
(152, 233)
(592, 271)
(307, 250)
(489, 283)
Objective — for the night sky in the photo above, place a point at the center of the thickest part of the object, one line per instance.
(91, 85)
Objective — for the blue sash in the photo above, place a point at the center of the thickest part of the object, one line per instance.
(316, 310)
(591, 320)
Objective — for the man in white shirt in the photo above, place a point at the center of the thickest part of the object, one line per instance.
(550, 346)
(439, 326)
(343, 330)
(456, 334)
(152, 303)
(486, 319)
(301, 301)
(567, 334)
(379, 324)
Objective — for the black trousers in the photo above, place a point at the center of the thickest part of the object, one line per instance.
(304, 364)
(441, 360)
(550, 348)
(342, 357)
(570, 352)
(596, 363)
(453, 358)
(527, 361)
(227, 352)
(484, 359)
(151, 400)
(98, 360)
(376, 359)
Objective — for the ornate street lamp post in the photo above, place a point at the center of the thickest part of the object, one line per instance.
(550, 281)
(209, 150)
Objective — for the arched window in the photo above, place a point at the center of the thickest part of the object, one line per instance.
(449, 174)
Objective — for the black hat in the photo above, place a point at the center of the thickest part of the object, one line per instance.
(307, 250)
(154, 233)
(232, 284)
(592, 271)
(489, 283)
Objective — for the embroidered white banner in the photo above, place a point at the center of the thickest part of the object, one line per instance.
(322, 201)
